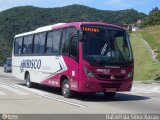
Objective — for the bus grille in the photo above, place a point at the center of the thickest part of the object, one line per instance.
(116, 77)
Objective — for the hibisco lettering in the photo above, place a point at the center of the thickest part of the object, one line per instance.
(32, 64)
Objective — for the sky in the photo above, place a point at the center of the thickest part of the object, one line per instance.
(141, 5)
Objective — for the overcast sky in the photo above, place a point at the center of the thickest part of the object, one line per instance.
(140, 5)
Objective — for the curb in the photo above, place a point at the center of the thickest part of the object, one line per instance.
(147, 82)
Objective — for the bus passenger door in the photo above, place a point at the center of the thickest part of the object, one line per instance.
(73, 63)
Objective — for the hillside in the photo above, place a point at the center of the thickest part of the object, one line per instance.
(152, 36)
(145, 67)
(23, 19)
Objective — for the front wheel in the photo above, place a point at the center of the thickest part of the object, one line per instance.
(109, 94)
(66, 89)
(29, 84)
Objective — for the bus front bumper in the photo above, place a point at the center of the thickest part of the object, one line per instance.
(105, 86)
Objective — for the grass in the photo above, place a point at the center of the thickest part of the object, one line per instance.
(145, 67)
(152, 36)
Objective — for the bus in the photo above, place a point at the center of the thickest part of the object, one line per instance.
(85, 57)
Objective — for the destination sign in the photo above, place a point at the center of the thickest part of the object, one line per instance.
(90, 29)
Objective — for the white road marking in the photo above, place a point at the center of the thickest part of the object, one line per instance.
(135, 90)
(141, 90)
(2, 93)
(131, 92)
(154, 99)
(8, 85)
(24, 87)
(64, 101)
(13, 90)
(46, 95)
(31, 89)
(156, 89)
(15, 87)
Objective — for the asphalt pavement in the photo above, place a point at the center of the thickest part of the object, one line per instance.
(15, 98)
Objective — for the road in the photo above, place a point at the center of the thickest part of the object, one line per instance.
(15, 98)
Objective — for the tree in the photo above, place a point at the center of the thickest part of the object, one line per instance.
(23, 19)
(154, 10)
(153, 18)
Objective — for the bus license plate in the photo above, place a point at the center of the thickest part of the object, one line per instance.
(111, 90)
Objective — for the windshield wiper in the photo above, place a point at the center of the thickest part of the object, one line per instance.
(104, 49)
(105, 45)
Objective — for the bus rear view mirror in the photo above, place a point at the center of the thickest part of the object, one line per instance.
(128, 35)
(80, 35)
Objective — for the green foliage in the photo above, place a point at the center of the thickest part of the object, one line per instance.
(154, 10)
(145, 68)
(150, 39)
(152, 36)
(153, 18)
(23, 19)
(158, 56)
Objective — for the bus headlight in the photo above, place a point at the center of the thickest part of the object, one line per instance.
(130, 74)
(88, 72)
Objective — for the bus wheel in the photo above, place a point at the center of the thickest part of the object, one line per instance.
(29, 84)
(66, 90)
(109, 94)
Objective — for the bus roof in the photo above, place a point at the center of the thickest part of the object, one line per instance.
(40, 29)
(63, 25)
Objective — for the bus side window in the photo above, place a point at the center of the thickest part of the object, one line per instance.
(18, 46)
(65, 39)
(30, 44)
(74, 47)
(35, 44)
(56, 41)
(64, 42)
(42, 37)
(49, 43)
(25, 42)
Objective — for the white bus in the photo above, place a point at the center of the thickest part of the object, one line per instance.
(79, 56)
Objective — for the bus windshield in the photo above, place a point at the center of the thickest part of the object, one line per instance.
(105, 44)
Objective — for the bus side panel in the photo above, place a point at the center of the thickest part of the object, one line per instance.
(40, 68)
(71, 73)
(50, 65)
(16, 71)
(58, 68)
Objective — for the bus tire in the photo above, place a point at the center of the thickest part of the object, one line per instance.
(29, 84)
(109, 94)
(66, 92)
